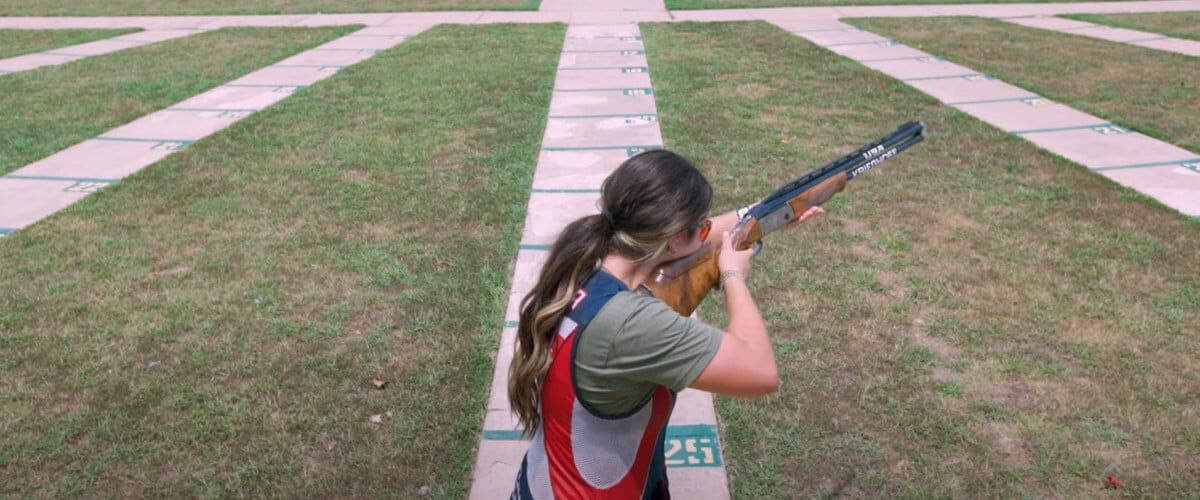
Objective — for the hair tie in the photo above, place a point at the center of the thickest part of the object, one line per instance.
(608, 217)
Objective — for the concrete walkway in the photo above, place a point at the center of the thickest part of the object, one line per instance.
(49, 185)
(1113, 34)
(1160, 170)
(602, 111)
(76, 52)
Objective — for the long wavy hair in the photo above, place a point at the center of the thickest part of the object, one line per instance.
(649, 198)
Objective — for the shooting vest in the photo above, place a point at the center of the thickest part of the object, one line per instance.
(579, 452)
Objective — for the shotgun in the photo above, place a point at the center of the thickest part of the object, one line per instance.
(684, 282)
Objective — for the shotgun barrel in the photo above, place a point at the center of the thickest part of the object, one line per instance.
(683, 283)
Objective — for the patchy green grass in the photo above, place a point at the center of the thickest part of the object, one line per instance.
(754, 4)
(977, 318)
(1176, 24)
(210, 326)
(47, 109)
(210, 7)
(18, 42)
(1152, 91)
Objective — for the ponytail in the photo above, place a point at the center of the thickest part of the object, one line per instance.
(575, 256)
(648, 199)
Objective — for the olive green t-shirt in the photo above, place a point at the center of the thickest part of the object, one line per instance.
(636, 343)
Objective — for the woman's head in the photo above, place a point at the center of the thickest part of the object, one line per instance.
(653, 198)
(651, 207)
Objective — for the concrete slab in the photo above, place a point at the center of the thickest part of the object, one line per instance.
(611, 30)
(601, 103)
(1116, 34)
(391, 30)
(31, 61)
(498, 408)
(549, 213)
(286, 75)
(617, 130)
(25, 201)
(327, 58)
(787, 14)
(693, 407)
(613, 44)
(496, 466)
(886, 11)
(1094, 149)
(617, 58)
(871, 51)
(98, 47)
(524, 17)
(1051, 23)
(525, 272)
(97, 159)
(1186, 47)
(605, 17)
(368, 19)
(217, 22)
(601, 79)
(1176, 186)
(575, 169)
(824, 38)
(1029, 114)
(708, 483)
(151, 36)
(433, 18)
(813, 25)
(177, 125)
(362, 42)
(918, 68)
(713, 15)
(968, 89)
(236, 98)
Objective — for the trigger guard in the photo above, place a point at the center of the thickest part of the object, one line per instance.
(758, 246)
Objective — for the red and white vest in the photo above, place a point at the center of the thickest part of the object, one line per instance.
(579, 452)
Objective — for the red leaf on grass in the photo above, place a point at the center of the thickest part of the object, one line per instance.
(1116, 483)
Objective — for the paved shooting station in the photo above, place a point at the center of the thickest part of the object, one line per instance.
(218, 227)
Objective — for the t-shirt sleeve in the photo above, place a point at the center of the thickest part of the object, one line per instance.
(657, 345)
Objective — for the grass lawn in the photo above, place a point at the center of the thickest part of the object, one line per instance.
(1152, 91)
(208, 7)
(753, 4)
(976, 318)
(211, 325)
(18, 42)
(48, 109)
(1176, 24)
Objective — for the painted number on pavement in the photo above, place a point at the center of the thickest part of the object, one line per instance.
(692, 446)
(86, 187)
(1110, 130)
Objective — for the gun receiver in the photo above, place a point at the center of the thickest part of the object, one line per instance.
(684, 283)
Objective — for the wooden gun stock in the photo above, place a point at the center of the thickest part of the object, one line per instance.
(683, 284)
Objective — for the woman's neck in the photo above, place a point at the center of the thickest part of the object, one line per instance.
(629, 272)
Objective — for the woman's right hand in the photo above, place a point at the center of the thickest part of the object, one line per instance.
(731, 259)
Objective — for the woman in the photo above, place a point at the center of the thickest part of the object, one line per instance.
(597, 366)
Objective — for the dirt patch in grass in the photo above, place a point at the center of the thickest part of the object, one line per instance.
(210, 326)
(210, 7)
(1106, 79)
(17, 42)
(48, 109)
(1176, 24)
(924, 319)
